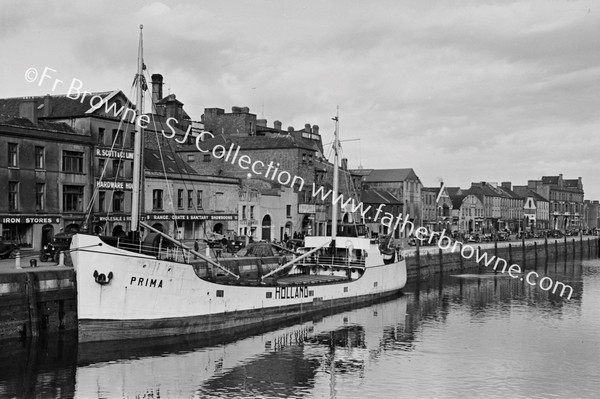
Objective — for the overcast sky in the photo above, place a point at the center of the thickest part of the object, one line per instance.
(458, 90)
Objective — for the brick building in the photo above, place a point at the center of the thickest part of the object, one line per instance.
(566, 200)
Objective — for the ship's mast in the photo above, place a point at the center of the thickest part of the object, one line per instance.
(137, 145)
(336, 182)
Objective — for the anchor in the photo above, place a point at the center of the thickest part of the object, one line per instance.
(101, 278)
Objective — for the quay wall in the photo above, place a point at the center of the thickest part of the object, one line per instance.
(424, 262)
(39, 302)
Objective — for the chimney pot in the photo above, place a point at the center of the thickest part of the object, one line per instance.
(307, 128)
(315, 129)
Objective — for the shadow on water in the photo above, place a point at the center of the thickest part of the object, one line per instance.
(286, 361)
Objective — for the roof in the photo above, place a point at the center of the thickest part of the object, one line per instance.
(550, 179)
(536, 196)
(62, 106)
(43, 125)
(172, 162)
(457, 200)
(252, 143)
(379, 197)
(389, 175)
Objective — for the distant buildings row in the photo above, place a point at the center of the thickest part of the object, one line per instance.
(68, 166)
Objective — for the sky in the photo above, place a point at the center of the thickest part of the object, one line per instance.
(460, 91)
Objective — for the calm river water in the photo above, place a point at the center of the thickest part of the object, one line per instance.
(460, 336)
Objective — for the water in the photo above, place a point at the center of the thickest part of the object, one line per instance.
(469, 336)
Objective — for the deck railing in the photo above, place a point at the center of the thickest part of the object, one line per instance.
(337, 261)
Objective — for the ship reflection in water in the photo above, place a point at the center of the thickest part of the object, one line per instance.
(466, 336)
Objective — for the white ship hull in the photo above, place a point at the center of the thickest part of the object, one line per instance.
(146, 297)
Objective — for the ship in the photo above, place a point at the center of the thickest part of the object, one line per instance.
(149, 284)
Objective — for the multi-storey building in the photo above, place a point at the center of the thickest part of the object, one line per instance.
(44, 170)
(512, 208)
(402, 183)
(591, 212)
(372, 200)
(437, 208)
(281, 162)
(566, 200)
(491, 199)
(536, 209)
(467, 213)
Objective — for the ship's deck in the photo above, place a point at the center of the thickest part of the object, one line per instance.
(305, 279)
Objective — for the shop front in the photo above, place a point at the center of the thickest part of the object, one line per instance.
(29, 231)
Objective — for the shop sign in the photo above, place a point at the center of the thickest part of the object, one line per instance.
(306, 208)
(102, 152)
(112, 218)
(30, 219)
(192, 217)
(114, 185)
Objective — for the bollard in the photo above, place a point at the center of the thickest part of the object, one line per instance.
(18, 260)
(61, 258)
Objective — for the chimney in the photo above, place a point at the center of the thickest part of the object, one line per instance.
(506, 184)
(245, 110)
(261, 122)
(290, 129)
(307, 128)
(236, 110)
(174, 108)
(47, 105)
(157, 83)
(28, 109)
(277, 125)
(315, 129)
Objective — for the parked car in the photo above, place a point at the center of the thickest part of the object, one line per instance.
(555, 233)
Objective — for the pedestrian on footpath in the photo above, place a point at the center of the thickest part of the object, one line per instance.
(196, 248)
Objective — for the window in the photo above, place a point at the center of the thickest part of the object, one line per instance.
(251, 211)
(310, 159)
(101, 165)
(190, 157)
(117, 137)
(117, 169)
(157, 199)
(39, 158)
(180, 199)
(243, 212)
(303, 157)
(73, 198)
(220, 293)
(72, 161)
(219, 202)
(102, 201)
(190, 199)
(101, 135)
(118, 199)
(13, 196)
(199, 199)
(206, 158)
(40, 200)
(288, 211)
(13, 155)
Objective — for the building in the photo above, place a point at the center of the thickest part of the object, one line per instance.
(402, 183)
(492, 205)
(536, 209)
(467, 213)
(283, 161)
(592, 214)
(372, 200)
(437, 208)
(512, 208)
(566, 200)
(44, 171)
